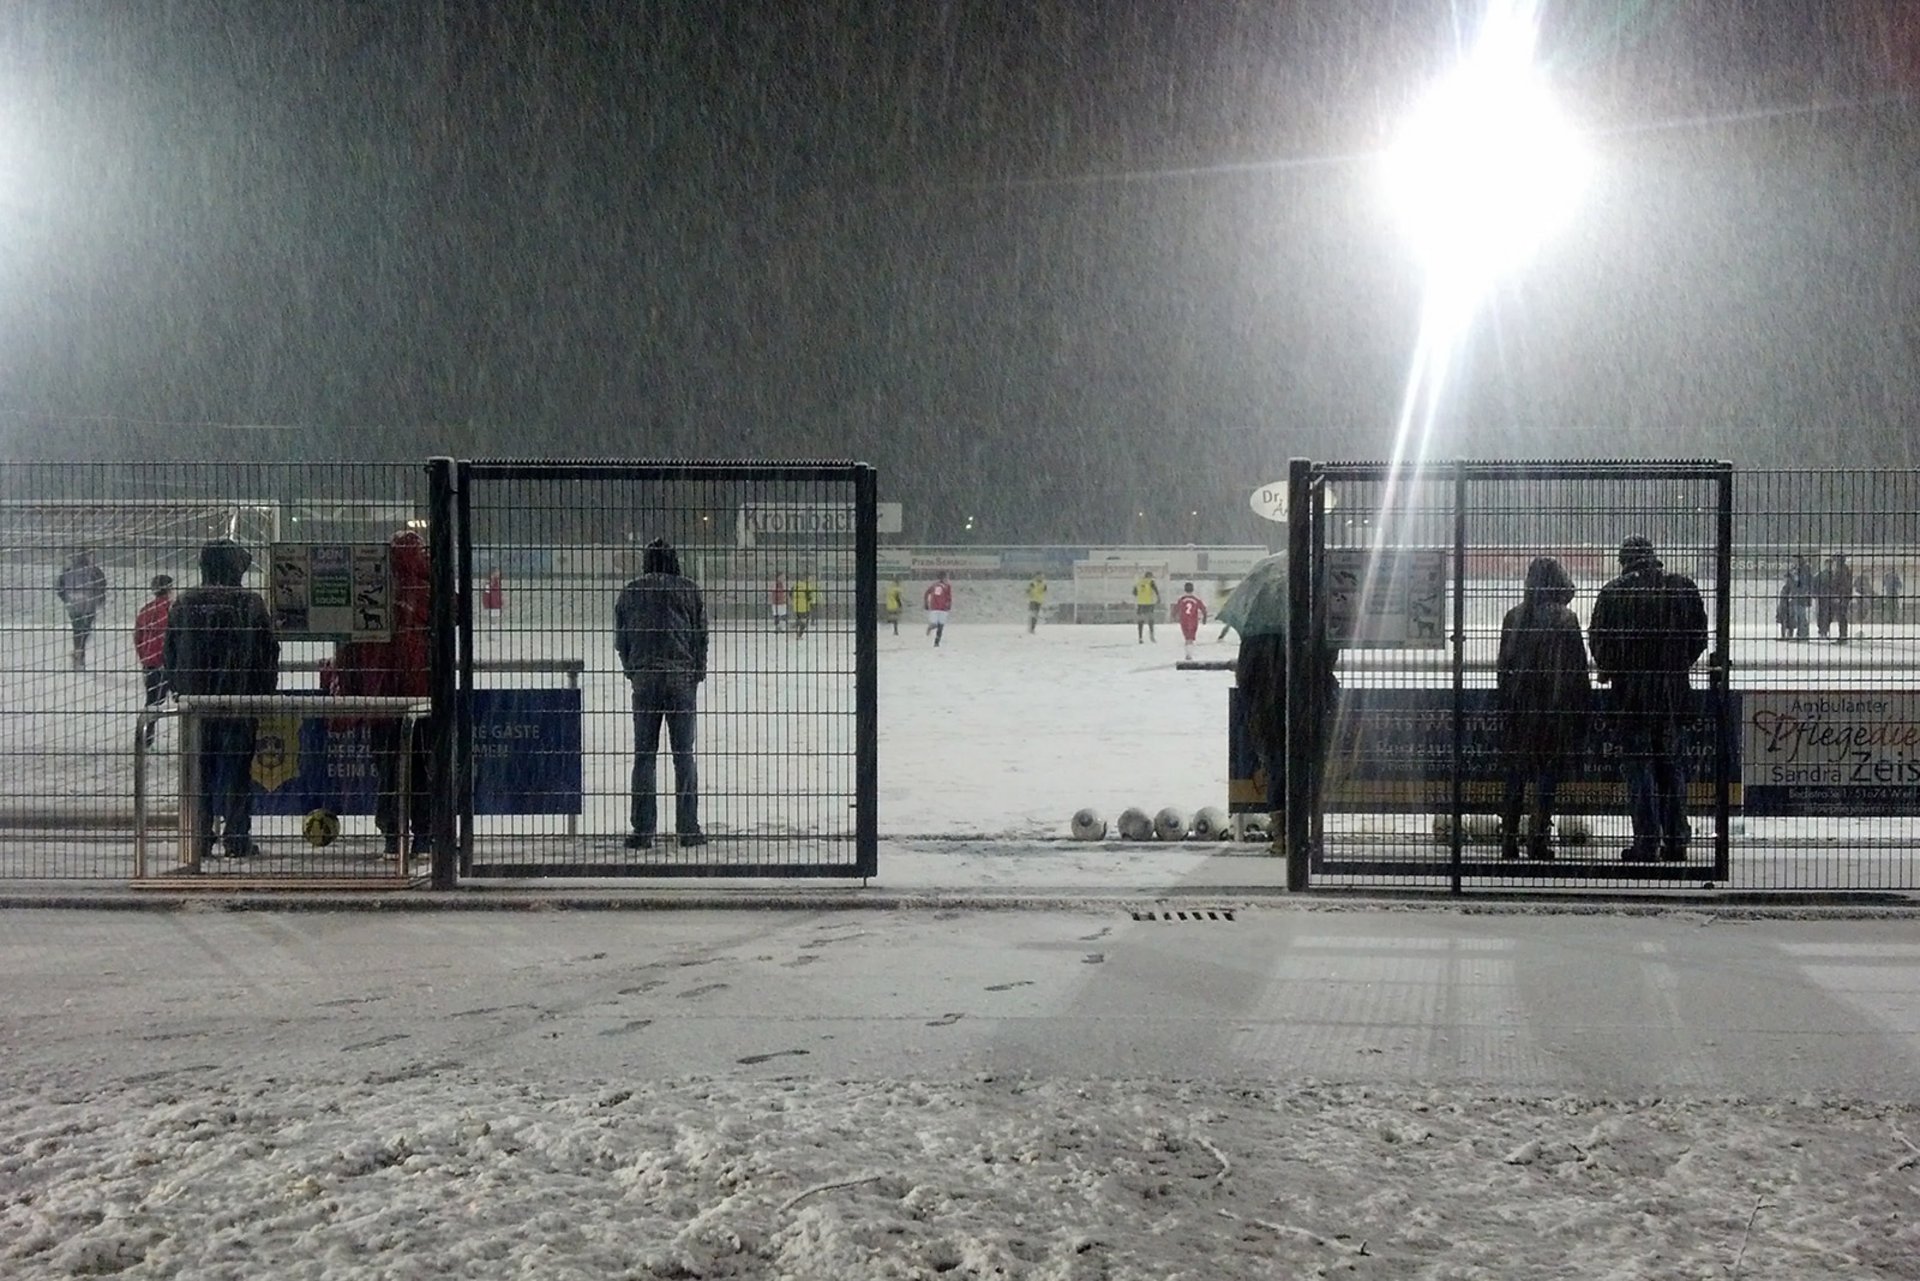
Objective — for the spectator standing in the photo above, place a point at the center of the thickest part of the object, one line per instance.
(1890, 588)
(1802, 578)
(1840, 593)
(82, 588)
(1649, 626)
(220, 643)
(1544, 697)
(660, 631)
(149, 644)
(939, 602)
(398, 668)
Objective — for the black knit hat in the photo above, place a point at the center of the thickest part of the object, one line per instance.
(161, 582)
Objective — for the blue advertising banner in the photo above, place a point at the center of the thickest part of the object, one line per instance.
(1393, 753)
(526, 751)
(526, 758)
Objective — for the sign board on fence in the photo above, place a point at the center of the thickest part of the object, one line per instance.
(526, 758)
(1269, 502)
(810, 520)
(1835, 752)
(1392, 752)
(1395, 598)
(331, 591)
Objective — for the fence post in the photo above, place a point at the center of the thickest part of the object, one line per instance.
(446, 583)
(1720, 679)
(866, 678)
(1456, 793)
(1302, 761)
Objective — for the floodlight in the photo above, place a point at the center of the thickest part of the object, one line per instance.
(1487, 167)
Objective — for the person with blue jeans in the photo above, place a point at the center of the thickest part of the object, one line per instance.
(220, 642)
(1649, 627)
(660, 631)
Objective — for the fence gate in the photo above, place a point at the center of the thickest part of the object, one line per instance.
(1405, 576)
(580, 700)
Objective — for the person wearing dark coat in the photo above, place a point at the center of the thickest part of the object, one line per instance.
(1260, 674)
(1544, 697)
(82, 588)
(660, 631)
(220, 642)
(1649, 626)
(1836, 604)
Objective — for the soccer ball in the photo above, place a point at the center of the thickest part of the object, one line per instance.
(1210, 824)
(1134, 824)
(320, 827)
(1170, 825)
(1088, 826)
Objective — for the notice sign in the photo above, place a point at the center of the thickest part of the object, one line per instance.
(1850, 752)
(1393, 599)
(331, 591)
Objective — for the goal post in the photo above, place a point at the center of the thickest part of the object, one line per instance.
(132, 539)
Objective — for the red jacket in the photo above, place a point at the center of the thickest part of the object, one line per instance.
(940, 596)
(150, 630)
(395, 668)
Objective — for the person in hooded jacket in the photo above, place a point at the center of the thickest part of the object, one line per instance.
(660, 631)
(1649, 626)
(1543, 695)
(220, 642)
(398, 668)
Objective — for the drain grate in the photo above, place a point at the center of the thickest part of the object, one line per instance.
(1201, 914)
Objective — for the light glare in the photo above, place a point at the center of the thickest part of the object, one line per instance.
(1487, 168)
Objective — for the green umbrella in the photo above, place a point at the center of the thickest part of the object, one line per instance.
(1258, 606)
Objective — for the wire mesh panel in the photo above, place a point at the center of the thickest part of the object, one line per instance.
(1473, 738)
(93, 560)
(1827, 660)
(668, 669)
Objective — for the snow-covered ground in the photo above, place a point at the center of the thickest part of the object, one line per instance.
(996, 734)
(451, 1176)
(918, 1094)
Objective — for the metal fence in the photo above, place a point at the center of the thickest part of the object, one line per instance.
(776, 772)
(1802, 742)
(81, 546)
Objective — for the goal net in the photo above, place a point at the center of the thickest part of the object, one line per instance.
(131, 539)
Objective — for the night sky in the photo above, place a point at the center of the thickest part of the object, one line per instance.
(1050, 264)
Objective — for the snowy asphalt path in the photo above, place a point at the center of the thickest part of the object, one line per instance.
(1624, 1006)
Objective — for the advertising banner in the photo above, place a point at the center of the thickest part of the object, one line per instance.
(526, 758)
(1836, 752)
(1393, 753)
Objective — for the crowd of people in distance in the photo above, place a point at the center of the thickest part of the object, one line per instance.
(1834, 597)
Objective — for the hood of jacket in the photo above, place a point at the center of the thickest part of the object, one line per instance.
(1548, 582)
(408, 553)
(223, 563)
(660, 558)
